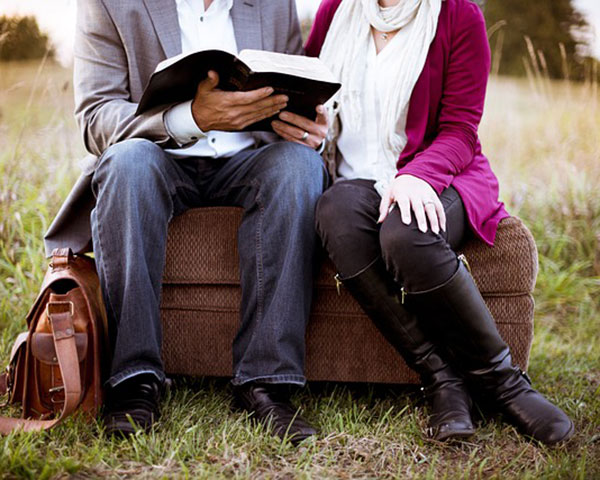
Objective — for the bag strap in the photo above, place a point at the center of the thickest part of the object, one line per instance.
(61, 257)
(3, 384)
(60, 315)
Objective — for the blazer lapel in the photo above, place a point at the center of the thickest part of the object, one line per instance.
(164, 18)
(246, 18)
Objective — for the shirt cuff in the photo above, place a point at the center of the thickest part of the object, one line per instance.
(180, 124)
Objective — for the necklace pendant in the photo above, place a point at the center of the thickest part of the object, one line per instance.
(385, 36)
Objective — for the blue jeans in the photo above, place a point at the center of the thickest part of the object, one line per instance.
(139, 188)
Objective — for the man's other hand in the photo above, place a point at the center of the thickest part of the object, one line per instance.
(295, 128)
(215, 109)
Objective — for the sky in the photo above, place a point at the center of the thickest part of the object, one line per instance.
(57, 17)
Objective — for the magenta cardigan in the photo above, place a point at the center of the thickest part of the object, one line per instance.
(445, 109)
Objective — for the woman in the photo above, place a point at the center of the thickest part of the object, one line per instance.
(411, 182)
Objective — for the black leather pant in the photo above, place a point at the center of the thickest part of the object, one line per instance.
(346, 219)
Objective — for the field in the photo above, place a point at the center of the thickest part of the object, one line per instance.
(543, 139)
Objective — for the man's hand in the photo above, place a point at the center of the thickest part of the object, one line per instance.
(295, 128)
(413, 193)
(214, 109)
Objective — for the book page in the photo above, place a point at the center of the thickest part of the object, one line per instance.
(298, 65)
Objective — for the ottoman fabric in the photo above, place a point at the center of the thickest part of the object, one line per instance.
(201, 296)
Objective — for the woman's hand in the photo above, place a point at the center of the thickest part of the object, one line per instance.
(412, 192)
(295, 128)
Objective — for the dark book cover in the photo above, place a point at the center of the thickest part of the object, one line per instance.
(178, 81)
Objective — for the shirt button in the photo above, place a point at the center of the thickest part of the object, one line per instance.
(201, 19)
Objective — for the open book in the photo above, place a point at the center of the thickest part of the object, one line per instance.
(305, 80)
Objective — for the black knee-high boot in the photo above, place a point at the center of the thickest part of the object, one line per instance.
(459, 311)
(377, 294)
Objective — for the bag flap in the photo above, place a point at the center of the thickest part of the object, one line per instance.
(11, 380)
(19, 344)
(3, 384)
(42, 347)
(78, 268)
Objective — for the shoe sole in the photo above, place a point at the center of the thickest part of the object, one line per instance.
(456, 435)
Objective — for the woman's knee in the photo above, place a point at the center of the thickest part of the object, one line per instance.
(334, 214)
(348, 234)
(413, 257)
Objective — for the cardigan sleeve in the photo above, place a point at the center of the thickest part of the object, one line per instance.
(461, 108)
(320, 27)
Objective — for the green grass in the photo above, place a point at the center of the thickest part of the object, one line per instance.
(546, 151)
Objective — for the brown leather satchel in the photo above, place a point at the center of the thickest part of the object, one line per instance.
(57, 366)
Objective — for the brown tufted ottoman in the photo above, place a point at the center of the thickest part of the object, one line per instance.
(201, 296)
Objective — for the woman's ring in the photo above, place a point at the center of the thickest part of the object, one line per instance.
(429, 202)
(304, 136)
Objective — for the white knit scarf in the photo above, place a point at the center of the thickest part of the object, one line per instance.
(345, 51)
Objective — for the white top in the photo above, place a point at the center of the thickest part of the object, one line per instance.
(361, 150)
(202, 30)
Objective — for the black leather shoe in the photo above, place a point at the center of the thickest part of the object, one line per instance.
(132, 405)
(460, 313)
(270, 405)
(445, 391)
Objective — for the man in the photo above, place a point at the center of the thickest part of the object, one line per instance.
(146, 169)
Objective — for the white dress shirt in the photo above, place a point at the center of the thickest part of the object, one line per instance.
(361, 149)
(202, 30)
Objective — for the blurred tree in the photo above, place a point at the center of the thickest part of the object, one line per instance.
(22, 39)
(545, 36)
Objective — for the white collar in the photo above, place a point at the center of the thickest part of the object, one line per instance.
(224, 4)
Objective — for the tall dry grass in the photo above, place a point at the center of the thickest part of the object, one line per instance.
(543, 137)
(543, 140)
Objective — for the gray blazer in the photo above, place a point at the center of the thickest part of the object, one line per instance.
(118, 44)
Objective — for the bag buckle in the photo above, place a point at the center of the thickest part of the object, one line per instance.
(53, 394)
(59, 304)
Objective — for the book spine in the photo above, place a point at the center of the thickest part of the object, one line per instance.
(239, 75)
